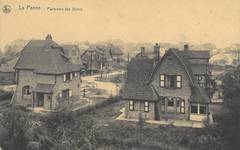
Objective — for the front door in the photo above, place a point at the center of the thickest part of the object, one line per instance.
(40, 99)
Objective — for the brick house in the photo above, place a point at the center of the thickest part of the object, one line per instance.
(45, 77)
(174, 87)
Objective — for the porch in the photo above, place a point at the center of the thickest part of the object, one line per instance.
(43, 96)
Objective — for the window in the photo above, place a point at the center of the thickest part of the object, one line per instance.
(26, 90)
(162, 80)
(169, 61)
(203, 109)
(131, 105)
(182, 107)
(75, 74)
(66, 93)
(74, 53)
(67, 77)
(170, 102)
(194, 108)
(49, 97)
(146, 106)
(171, 81)
(179, 81)
(201, 80)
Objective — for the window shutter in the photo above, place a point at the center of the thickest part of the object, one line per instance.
(60, 94)
(64, 77)
(179, 81)
(75, 74)
(162, 80)
(71, 76)
(70, 93)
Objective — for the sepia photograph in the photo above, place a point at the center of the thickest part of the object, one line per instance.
(120, 75)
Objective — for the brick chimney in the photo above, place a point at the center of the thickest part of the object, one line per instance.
(48, 37)
(186, 47)
(156, 52)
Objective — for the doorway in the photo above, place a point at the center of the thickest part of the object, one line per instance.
(40, 99)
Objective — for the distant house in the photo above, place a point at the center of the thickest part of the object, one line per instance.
(45, 76)
(116, 59)
(73, 53)
(99, 57)
(174, 87)
(7, 72)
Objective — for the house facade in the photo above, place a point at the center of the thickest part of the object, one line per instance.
(176, 87)
(73, 53)
(45, 76)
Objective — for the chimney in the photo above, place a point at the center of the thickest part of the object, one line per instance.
(49, 37)
(186, 47)
(156, 52)
(142, 51)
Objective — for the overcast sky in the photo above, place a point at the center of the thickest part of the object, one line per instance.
(194, 21)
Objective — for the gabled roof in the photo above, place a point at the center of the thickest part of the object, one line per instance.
(45, 56)
(68, 47)
(135, 87)
(199, 94)
(181, 56)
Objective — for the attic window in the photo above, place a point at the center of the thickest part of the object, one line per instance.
(74, 53)
(169, 61)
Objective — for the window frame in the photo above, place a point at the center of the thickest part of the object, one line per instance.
(205, 107)
(172, 101)
(195, 105)
(146, 106)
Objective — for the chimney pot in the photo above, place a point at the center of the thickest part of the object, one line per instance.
(157, 52)
(49, 37)
(186, 47)
(142, 51)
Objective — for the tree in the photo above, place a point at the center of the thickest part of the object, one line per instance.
(15, 121)
(230, 122)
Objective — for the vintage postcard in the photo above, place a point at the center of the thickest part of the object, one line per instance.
(120, 75)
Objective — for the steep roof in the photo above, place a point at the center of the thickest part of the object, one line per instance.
(198, 94)
(45, 56)
(198, 54)
(135, 87)
(9, 66)
(114, 50)
(68, 47)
